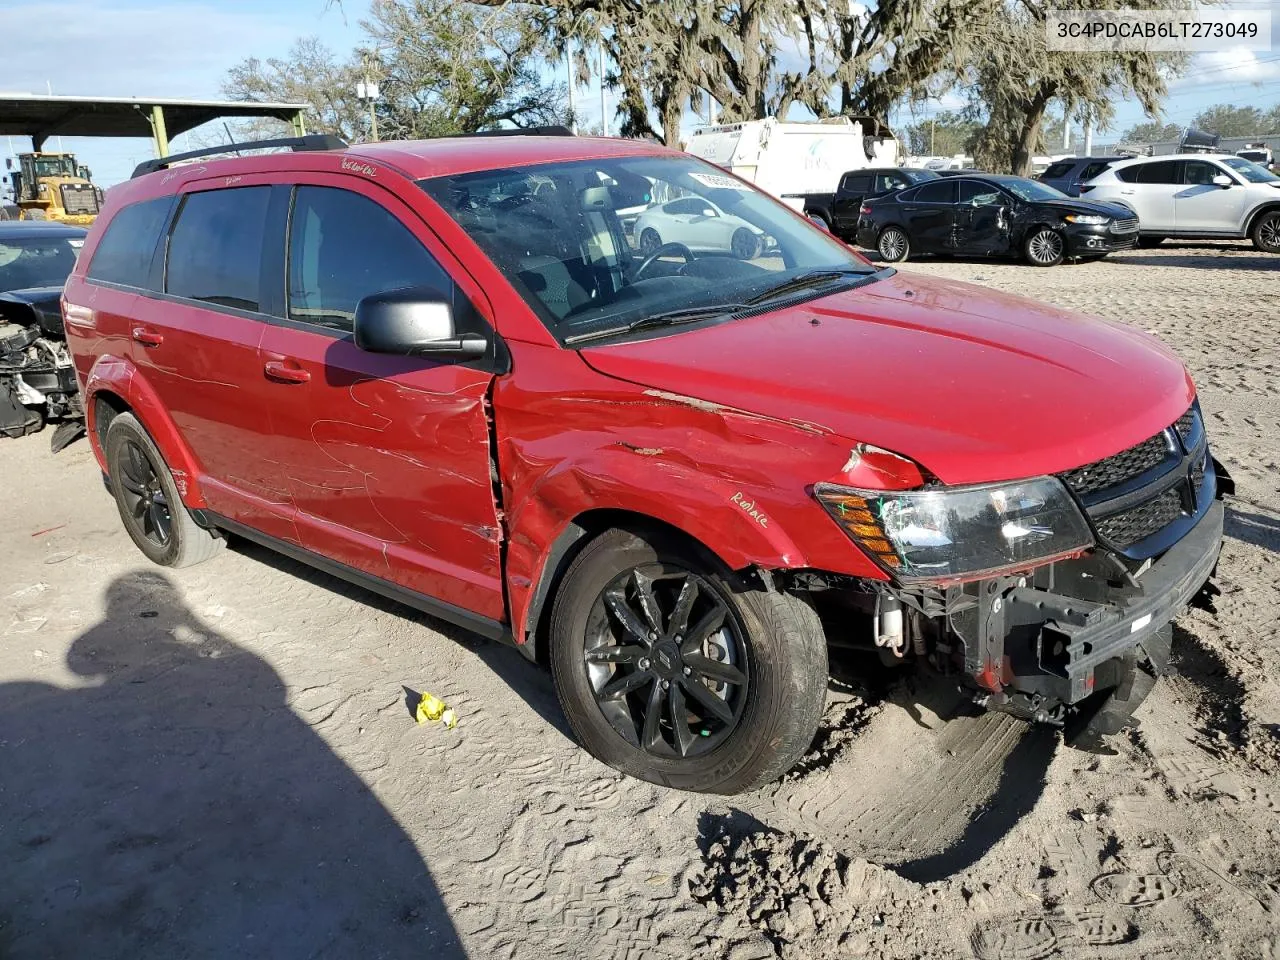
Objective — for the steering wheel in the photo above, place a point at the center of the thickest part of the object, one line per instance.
(666, 248)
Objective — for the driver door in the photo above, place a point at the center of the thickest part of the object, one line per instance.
(387, 457)
(982, 219)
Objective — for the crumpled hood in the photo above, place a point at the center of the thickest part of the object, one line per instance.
(1072, 205)
(34, 305)
(973, 384)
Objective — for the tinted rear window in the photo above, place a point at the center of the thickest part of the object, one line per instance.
(944, 191)
(1165, 171)
(125, 252)
(1095, 168)
(215, 249)
(1059, 169)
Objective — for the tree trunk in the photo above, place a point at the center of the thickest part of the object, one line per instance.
(1028, 135)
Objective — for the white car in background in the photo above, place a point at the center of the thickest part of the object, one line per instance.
(1197, 195)
(699, 225)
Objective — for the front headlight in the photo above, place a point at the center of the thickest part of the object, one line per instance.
(1087, 219)
(960, 533)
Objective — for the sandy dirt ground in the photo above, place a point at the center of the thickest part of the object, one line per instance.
(220, 761)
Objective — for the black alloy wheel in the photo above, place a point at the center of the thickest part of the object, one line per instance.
(666, 660)
(147, 508)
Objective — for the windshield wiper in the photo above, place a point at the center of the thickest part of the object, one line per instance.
(667, 318)
(814, 278)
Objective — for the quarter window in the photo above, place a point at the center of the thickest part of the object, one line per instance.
(215, 248)
(344, 247)
(125, 253)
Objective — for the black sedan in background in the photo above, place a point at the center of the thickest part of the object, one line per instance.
(989, 215)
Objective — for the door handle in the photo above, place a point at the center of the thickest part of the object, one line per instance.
(278, 370)
(1127, 193)
(148, 338)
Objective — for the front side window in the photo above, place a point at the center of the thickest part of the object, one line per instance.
(125, 252)
(1253, 172)
(1196, 172)
(889, 181)
(37, 262)
(859, 183)
(565, 250)
(978, 194)
(215, 248)
(344, 247)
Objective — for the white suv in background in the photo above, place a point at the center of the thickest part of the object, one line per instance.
(1201, 195)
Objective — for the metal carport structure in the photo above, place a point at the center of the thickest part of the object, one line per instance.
(42, 117)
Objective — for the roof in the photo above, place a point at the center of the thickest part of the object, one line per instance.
(28, 115)
(28, 229)
(449, 156)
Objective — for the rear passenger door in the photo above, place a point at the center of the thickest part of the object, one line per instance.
(930, 214)
(1149, 188)
(388, 458)
(196, 343)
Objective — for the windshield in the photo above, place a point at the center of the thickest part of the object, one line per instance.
(43, 262)
(597, 245)
(54, 167)
(1249, 170)
(1030, 190)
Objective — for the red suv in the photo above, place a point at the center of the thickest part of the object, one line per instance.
(443, 371)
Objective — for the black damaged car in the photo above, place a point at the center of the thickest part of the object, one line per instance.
(991, 215)
(37, 380)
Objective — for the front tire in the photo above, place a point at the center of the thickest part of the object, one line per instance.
(650, 241)
(745, 244)
(893, 245)
(1045, 247)
(150, 506)
(671, 669)
(1266, 232)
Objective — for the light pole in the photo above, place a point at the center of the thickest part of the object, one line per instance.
(367, 92)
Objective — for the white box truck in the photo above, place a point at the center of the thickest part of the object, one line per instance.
(791, 159)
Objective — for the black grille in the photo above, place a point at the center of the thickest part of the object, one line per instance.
(79, 199)
(1186, 423)
(1115, 470)
(1126, 529)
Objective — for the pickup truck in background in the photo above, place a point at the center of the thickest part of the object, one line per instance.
(838, 211)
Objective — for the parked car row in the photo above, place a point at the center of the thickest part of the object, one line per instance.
(1081, 208)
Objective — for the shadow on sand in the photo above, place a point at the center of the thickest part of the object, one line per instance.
(179, 808)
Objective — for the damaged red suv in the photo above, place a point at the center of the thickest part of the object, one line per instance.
(445, 371)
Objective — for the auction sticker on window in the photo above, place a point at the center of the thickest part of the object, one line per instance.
(716, 181)
(1154, 31)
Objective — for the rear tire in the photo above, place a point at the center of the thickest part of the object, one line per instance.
(150, 506)
(893, 245)
(1266, 232)
(764, 655)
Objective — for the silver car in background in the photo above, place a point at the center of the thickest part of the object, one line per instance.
(1201, 196)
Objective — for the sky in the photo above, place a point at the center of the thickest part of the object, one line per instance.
(184, 48)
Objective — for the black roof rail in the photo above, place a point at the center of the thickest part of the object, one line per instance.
(308, 143)
(557, 130)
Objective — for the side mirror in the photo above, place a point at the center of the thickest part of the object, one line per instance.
(1222, 180)
(412, 322)
(708, 212)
